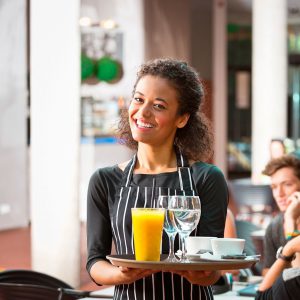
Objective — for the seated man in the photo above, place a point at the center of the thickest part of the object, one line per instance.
(281, 281)
(285, 185)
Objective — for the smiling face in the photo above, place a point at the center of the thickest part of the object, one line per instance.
(153, 116)
(284, 182)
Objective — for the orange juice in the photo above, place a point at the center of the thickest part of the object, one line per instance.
(147, 232)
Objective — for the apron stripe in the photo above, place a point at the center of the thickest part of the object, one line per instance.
(124, 215)
(153, 287)
(210, 292)
(128, 291)
(134, 289)
(119, 247)
(182, 294)
(173, 291)
(163, 284)
(123, 286)
(114, 235)
(136, 199)
(145, 203)
(116, 293)
(181, 157)
(144, 295)
(180, 179)
(204, 289)
(190, 178)
(130, 171)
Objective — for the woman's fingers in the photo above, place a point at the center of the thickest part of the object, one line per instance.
(199, 277)
(130, 275)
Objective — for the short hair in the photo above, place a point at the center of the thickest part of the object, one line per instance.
(285, 161)
(195, 138)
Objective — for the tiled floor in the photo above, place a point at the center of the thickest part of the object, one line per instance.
(15, 253)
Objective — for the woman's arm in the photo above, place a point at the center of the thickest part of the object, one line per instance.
(291, 248)
(99, 235)
(230, 228)
(105, 273)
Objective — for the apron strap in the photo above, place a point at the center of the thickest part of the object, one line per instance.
(127, 174)
(184, 172)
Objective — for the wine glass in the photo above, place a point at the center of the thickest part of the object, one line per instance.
(169, 226)
(186, 212)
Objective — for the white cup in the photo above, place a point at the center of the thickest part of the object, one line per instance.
(227, 246)
(194, 244)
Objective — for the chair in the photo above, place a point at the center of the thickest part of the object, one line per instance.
(31, 277)
(244, 230)
(31, 285)
(248, 194)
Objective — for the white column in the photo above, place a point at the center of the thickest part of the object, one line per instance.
(55, 82)
(220, 82)
(14, 200)
(269, 78)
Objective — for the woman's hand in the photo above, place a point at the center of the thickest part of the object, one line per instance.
(199, 277)
(107, 274)
(129, 275)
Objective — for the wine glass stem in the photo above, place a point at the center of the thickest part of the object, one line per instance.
(171, 246)
(183, 247)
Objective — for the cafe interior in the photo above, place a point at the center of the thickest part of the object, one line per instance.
(67, 70)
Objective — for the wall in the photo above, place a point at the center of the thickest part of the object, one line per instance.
(13, 108)
(201, 37)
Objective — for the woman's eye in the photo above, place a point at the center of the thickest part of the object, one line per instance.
(159, 106)
(137, 99)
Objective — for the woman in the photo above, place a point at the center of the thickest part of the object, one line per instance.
(170, 137)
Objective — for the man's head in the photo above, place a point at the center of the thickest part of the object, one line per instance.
(285, 178)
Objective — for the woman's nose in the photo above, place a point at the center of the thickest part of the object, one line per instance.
(145, 110)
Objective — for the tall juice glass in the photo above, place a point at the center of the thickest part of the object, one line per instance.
(147, 226)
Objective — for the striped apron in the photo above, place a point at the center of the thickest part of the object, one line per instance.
(162, 285)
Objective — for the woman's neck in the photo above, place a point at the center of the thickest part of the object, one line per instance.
(154, 160)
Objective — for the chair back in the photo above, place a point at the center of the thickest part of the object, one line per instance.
(16, 291)
(32, 277)
(248, 194)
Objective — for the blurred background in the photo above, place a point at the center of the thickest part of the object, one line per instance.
(67, 69)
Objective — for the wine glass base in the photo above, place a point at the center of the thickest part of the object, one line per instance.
(172, 259)
(184, 260)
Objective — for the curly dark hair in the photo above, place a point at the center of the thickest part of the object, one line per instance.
(285, 161)
(195, 138)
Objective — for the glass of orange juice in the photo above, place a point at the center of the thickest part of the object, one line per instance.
(147, 226)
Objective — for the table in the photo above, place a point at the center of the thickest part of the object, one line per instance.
(233, 295)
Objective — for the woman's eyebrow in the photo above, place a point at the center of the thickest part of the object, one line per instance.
(157, 98)
(137, 92)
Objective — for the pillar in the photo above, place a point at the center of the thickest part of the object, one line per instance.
(269, 79)
(220, 83)
(55, 133)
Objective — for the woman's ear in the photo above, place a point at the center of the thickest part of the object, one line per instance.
(183, 119)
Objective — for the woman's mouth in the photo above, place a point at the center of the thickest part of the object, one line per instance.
(142, 124)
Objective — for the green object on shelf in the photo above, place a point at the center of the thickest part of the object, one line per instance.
(108, 69)
(231, 28)
(87, 67)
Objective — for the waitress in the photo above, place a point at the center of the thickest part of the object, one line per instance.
(172, 140)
